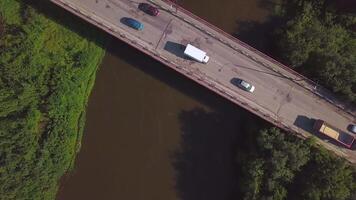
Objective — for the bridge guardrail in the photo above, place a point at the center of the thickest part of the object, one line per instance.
(312, 85)
(202, 79)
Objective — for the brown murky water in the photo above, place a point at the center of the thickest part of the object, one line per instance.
(151, 134)
(229, 14)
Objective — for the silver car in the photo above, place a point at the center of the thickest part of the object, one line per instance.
(243, 84)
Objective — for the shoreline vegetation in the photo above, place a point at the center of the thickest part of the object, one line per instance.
(48, 64)
(281, 166)
(316, 38)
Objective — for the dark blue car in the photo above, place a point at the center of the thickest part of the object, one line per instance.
(133, 23)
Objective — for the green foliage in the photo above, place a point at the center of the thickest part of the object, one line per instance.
(289, 168)
(325, 177)
(273, 166)
(320, 41)
(10, 11)
(46, 74)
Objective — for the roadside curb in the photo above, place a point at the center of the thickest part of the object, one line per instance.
(308, 84)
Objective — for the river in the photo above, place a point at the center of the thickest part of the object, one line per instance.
(152, 134)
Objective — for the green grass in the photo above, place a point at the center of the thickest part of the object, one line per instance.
(48, 64)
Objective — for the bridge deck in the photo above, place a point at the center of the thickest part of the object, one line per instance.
(281, 96)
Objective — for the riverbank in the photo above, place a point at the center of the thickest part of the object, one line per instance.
(48, 63)
(161, 136)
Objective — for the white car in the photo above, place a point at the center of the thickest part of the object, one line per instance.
(243, 84)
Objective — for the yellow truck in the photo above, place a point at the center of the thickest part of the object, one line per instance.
(342, 137)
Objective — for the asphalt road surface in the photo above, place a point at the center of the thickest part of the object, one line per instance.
(276, 95)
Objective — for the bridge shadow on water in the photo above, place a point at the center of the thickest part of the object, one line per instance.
(204, 164)
(205, 167)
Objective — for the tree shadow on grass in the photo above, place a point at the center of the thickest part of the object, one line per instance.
(205, 164)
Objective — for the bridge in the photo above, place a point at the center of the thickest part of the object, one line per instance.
(282, 96)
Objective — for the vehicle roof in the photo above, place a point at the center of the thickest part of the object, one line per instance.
(337, 134)
(133, 23)
(330, 131)
(148, 7)
(130, 20)
(245, 84)
(192, 50)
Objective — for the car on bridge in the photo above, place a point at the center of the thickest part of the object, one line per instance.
(352, 128)
(342, 137)
(133, 23)
(149, 9)
(243, 84)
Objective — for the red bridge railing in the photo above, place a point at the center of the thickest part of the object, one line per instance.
(335, 102)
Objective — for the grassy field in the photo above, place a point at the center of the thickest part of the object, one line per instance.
(48, 63)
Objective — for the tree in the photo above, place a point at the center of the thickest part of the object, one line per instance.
(273, 167)
(46, 74)
(300, 37)
(326, 177)
(319, 41)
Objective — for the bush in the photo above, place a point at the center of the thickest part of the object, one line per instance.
(285, 167)
(46, 74)
(319, 40)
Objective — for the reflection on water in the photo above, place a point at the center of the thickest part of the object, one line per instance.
(152, 134)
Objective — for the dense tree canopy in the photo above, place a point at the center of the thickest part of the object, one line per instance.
(47, 71)
(46, 74)
(318, 39)
(273, 166)
(325, 177)
(284, 167)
